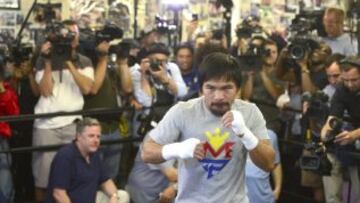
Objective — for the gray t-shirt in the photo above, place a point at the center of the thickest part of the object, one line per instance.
(146, 181)
(220, 176)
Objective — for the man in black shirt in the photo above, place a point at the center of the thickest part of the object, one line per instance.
(347, 99)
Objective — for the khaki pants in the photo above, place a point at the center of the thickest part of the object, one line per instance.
(333, 185)
(102, 198)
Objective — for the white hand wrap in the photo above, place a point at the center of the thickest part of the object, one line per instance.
(180, 150)
(249, 140)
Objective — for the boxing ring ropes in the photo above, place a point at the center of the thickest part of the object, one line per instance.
(107, 111)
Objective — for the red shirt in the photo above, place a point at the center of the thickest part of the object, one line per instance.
(8, 106)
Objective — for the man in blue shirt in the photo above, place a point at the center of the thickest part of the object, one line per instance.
(77, 171)
(184, 59)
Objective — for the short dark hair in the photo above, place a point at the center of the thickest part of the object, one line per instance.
(219, 65)
(207, 49)
(158, 48)
(86, 122)
(334, 58)
(187, 46)
(349, 63)
(69, 22)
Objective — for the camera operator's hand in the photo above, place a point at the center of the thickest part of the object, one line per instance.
(303, 63)
(233, 119)
(347, 137)
(45, 49)
(103, 48)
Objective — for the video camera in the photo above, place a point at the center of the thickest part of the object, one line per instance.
(249, 28)
(61, 39)
(252, 59)
(147, 123)
(121, 50)
(317, 160)
(302, 40)
(89, 39)
(163, 26)
(318, 105)
(18, 53)
(108, 33)
(300, 46)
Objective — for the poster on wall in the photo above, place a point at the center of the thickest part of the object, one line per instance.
(9, 4)
(10, 23)
(7, 33)
(8, 18)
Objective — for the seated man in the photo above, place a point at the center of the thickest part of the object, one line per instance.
(77, 171)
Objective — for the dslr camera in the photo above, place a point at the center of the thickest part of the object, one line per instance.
(155, 65)
(336, 125)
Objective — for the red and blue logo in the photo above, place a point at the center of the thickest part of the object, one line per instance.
(218, 152)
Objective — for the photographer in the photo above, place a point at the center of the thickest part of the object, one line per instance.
(346, 99)
(303, 66)
(333, 183)
(262, 85)
(24, 84)
(62, 75)
(155, 82)
(112, 81)
(8, 106)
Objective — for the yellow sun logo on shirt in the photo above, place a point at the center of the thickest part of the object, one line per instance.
(216, 140)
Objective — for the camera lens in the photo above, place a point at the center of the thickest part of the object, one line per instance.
(297, 52)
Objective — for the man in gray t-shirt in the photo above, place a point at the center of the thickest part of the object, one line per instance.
(210, 136)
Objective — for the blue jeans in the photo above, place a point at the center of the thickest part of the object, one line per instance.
(6, 183)
(111, 154)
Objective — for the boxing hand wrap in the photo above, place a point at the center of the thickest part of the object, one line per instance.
(249, 140)
(180, 150)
